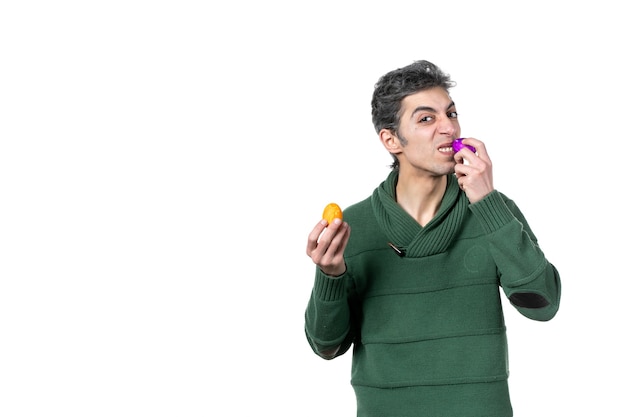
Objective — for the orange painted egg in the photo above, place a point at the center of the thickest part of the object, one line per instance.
(331, 212)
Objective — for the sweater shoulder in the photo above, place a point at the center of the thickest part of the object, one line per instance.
(360, 215)
(366, 233)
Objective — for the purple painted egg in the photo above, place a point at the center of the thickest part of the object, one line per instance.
(457, 145)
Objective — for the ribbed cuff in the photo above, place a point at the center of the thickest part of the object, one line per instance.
(492, 212)
(328, 288)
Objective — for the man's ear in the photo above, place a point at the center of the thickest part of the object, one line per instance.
(390, 141)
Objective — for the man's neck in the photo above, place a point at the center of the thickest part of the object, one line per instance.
(420, 196)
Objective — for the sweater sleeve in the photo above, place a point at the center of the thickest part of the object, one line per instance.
(530, 282)
(327, 316)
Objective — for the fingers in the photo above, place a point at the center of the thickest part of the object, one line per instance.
(314, 236)
(474, 170)
(326, 244)
(340, 241)
(330, 242)
(481, 150)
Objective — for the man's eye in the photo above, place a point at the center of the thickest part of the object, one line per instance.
(453, 115)
(426, 119)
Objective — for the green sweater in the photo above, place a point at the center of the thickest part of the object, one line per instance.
(426, 323)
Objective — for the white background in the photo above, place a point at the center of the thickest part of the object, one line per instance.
(162, 163)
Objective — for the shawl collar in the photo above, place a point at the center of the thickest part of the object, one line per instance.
(405, 232)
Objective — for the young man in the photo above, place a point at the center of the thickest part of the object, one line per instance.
(411, 277)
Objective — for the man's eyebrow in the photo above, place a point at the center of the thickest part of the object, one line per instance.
(430, 109)
(422, 108)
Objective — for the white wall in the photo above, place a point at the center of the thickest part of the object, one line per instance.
(162, 163)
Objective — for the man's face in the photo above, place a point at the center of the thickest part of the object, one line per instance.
(428, 125)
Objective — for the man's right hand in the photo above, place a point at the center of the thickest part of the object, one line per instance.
(326, 244)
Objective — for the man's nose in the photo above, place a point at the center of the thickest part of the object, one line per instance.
(447, 127)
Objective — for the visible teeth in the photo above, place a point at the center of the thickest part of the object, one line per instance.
(447, 149)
